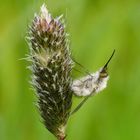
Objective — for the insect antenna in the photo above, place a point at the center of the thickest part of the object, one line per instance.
(105, 66)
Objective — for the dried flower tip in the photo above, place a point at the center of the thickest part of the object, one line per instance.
(45, 14)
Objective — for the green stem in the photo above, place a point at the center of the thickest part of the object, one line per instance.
(79, 105)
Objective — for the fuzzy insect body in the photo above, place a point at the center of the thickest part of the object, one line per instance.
(90, 84)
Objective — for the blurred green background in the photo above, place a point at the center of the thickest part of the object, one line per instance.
(96, 27)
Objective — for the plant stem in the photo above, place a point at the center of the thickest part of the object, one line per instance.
(79, 105)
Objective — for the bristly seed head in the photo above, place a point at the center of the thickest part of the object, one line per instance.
(51, 68)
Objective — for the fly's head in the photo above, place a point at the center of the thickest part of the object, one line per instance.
(103, 72)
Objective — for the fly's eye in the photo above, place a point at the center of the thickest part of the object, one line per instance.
(103, 74)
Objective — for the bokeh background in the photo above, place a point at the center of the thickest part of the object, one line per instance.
(96, 27)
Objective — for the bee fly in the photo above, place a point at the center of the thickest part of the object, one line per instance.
(92, 83)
